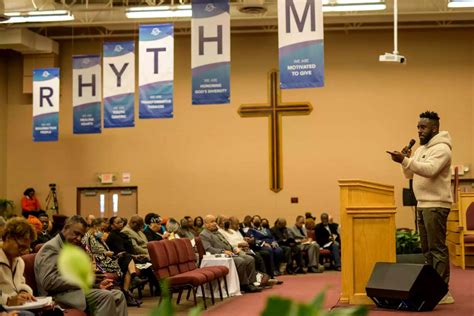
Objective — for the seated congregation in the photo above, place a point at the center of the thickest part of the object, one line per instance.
(129, 254)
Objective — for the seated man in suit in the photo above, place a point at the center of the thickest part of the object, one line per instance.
(215, 243)
(298, 233)
(102, 302)
(326, 236)
(281, 235)
(266, 242)
(134, 230)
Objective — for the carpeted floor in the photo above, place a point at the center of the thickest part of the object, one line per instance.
(305, 287)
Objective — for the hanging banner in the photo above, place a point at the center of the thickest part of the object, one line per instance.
(301, 46)
(86, 94)
(156, 52)
(45, 104)
(119, 84)
(210, 46)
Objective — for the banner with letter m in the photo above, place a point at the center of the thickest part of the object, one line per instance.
(301, 46)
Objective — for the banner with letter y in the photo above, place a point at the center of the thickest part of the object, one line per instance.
(210, 51)
(45, 104)
(300, 41)
(119, 84)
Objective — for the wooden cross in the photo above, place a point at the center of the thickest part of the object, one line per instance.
(274, 110)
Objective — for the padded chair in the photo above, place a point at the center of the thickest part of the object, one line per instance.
(179, 259)
(176, 281)
(30, 279)
(185, 248)
(200, 248)
(201, 252)
(467, 233)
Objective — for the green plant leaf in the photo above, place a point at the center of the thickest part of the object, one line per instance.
(164, 309)
(278, 306)
(75, 266)
(308, 310)
(351, 311)
(195, 311)
(318, 301)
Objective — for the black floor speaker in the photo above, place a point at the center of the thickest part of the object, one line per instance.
(404, 286)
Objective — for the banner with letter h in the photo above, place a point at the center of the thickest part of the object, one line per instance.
(86, 94)
(210, 51)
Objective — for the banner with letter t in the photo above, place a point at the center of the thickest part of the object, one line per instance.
(45, 104)
(301, 46)
(155, 49)
(210, 46)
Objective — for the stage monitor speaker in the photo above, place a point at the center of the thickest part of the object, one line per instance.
(404, 286)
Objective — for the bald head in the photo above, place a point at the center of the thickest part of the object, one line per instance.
(136, 223)
(234, 223)
(210, 223)
(280, 222)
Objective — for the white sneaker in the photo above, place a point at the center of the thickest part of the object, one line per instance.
(447, 299)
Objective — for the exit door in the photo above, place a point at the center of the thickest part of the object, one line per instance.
(107, 202)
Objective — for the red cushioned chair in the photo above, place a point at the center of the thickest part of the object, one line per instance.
(202, 252)
(30, 279)
(177, 282)
(200, 248)
(467, 232)
(181, 263)
(186, 251)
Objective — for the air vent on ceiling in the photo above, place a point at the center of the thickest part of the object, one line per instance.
(252, 7)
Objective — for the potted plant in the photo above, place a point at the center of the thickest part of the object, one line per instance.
(409, 247)
(6, 208)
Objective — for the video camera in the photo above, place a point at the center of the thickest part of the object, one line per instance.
(52, 186)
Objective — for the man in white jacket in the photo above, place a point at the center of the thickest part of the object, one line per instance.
(430, 170)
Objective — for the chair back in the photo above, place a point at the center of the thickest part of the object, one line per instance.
(187, 247)
(159, 259)
(470, 217)
(170, 251)
(29, 272)
(182, 254)
(200, 247)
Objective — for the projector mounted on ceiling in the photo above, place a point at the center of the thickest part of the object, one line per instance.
(394, 57)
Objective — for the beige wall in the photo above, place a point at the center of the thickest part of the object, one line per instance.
(209, 160)
(3, 124)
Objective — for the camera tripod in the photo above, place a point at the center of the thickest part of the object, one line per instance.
(52, 199)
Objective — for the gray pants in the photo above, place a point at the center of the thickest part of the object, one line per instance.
(105, 303)
(313, 253)
(432, 226)
(245, 265)
(98, 302)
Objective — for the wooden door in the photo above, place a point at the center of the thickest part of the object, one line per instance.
(107, 202)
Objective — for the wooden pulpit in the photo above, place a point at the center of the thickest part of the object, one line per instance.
(367, 212)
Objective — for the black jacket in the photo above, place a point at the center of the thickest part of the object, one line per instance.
(322, 234)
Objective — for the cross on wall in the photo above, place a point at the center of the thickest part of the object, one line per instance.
(274, 109)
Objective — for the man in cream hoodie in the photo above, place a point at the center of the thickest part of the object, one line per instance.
(430, 170)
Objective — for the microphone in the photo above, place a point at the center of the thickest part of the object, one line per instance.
(410, 145)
